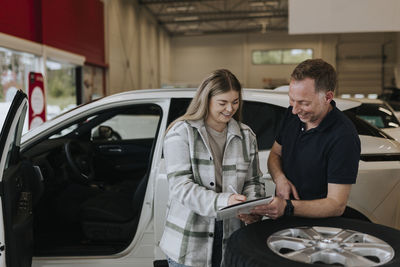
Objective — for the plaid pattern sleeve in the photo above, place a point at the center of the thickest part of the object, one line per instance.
(253, 186)
(184, 185)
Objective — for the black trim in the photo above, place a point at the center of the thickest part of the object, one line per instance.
(18, 99)
(380, 157)
(289, 209)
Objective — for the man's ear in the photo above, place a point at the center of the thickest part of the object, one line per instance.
(328, 96)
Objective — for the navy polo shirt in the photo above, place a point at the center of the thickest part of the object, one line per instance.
(326, 154)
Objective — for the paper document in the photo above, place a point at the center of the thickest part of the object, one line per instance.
(241, 208)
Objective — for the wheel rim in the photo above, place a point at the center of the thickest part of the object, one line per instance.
(332, 246)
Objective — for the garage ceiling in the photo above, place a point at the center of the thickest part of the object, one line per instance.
(198, 17)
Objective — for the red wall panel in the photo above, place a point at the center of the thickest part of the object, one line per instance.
(76, 26)
(21, 18)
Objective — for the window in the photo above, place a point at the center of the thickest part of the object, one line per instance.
(281, 56)
(61, 87)
(14, 69)
(127, 127)
(379, 115)
(266, 126)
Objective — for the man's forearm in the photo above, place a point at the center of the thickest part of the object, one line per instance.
(319, 208)
(275, 166)
(333, 205)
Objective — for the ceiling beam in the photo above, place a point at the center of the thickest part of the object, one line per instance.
(222, 13)
(222, 19)
(227, 31)
(152, 2)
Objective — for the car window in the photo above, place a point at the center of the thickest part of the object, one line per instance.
(365, 128)
(379, 115)
(264, 119)
(127, 127)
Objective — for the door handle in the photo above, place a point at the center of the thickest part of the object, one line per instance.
(111, 149)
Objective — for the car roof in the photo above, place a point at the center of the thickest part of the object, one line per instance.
(365, 100)
(262, 95)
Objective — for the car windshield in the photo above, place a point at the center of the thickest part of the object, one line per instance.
(379, 115)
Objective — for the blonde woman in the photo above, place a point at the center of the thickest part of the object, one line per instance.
(207, 153)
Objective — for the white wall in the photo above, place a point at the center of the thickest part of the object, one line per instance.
(343, 16)
(136, 48)
(192, 58)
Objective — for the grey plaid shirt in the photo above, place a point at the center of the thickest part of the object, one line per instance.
(193, 202)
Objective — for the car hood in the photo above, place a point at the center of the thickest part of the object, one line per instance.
(393, 132)
(376, 145)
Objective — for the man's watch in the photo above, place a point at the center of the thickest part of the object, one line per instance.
(289, 209)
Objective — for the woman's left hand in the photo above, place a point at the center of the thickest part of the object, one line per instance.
(249, 218)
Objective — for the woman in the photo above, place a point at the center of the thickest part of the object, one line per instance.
(209, 155)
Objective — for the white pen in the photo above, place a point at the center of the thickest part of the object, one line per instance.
(233, 189)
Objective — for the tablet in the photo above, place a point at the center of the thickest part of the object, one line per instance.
(241, 208)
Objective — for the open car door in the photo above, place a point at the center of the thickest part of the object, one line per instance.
(18, 180)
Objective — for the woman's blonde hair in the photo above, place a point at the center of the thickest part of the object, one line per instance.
(218, 82)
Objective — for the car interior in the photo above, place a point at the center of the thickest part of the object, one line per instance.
(95, 173)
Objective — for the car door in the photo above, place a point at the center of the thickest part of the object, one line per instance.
(16, 195)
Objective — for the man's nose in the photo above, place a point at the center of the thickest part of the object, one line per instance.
(296, 108)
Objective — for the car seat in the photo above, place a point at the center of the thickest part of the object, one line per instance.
(113, 216)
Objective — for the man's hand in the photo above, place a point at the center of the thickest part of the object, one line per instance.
(273, 210)
(249, 218)
(236, 198)
(284, 188)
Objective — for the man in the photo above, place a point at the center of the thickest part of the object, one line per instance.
(314, 160)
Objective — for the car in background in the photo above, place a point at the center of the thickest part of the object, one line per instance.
(89, 187)
(379, 113)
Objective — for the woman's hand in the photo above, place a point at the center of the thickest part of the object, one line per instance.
(236, 198)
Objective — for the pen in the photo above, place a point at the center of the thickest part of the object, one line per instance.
(233, 189)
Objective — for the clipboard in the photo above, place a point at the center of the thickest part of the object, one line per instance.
(241, 208)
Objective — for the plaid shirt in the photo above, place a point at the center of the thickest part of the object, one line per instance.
(193, 202)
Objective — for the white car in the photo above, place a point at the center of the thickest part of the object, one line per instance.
(89, 188)
(380, 114)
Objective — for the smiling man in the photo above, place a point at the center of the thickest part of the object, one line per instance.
(314, 159)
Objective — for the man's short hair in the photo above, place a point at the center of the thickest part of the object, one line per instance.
(323, 74)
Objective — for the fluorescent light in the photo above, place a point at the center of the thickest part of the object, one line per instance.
(359, 96)
(373, 96)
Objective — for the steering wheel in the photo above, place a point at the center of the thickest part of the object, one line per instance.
(79, 158)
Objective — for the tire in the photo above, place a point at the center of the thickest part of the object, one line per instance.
(248, 246)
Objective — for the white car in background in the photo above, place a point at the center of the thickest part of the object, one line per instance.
(379, 113)
(94, 178)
